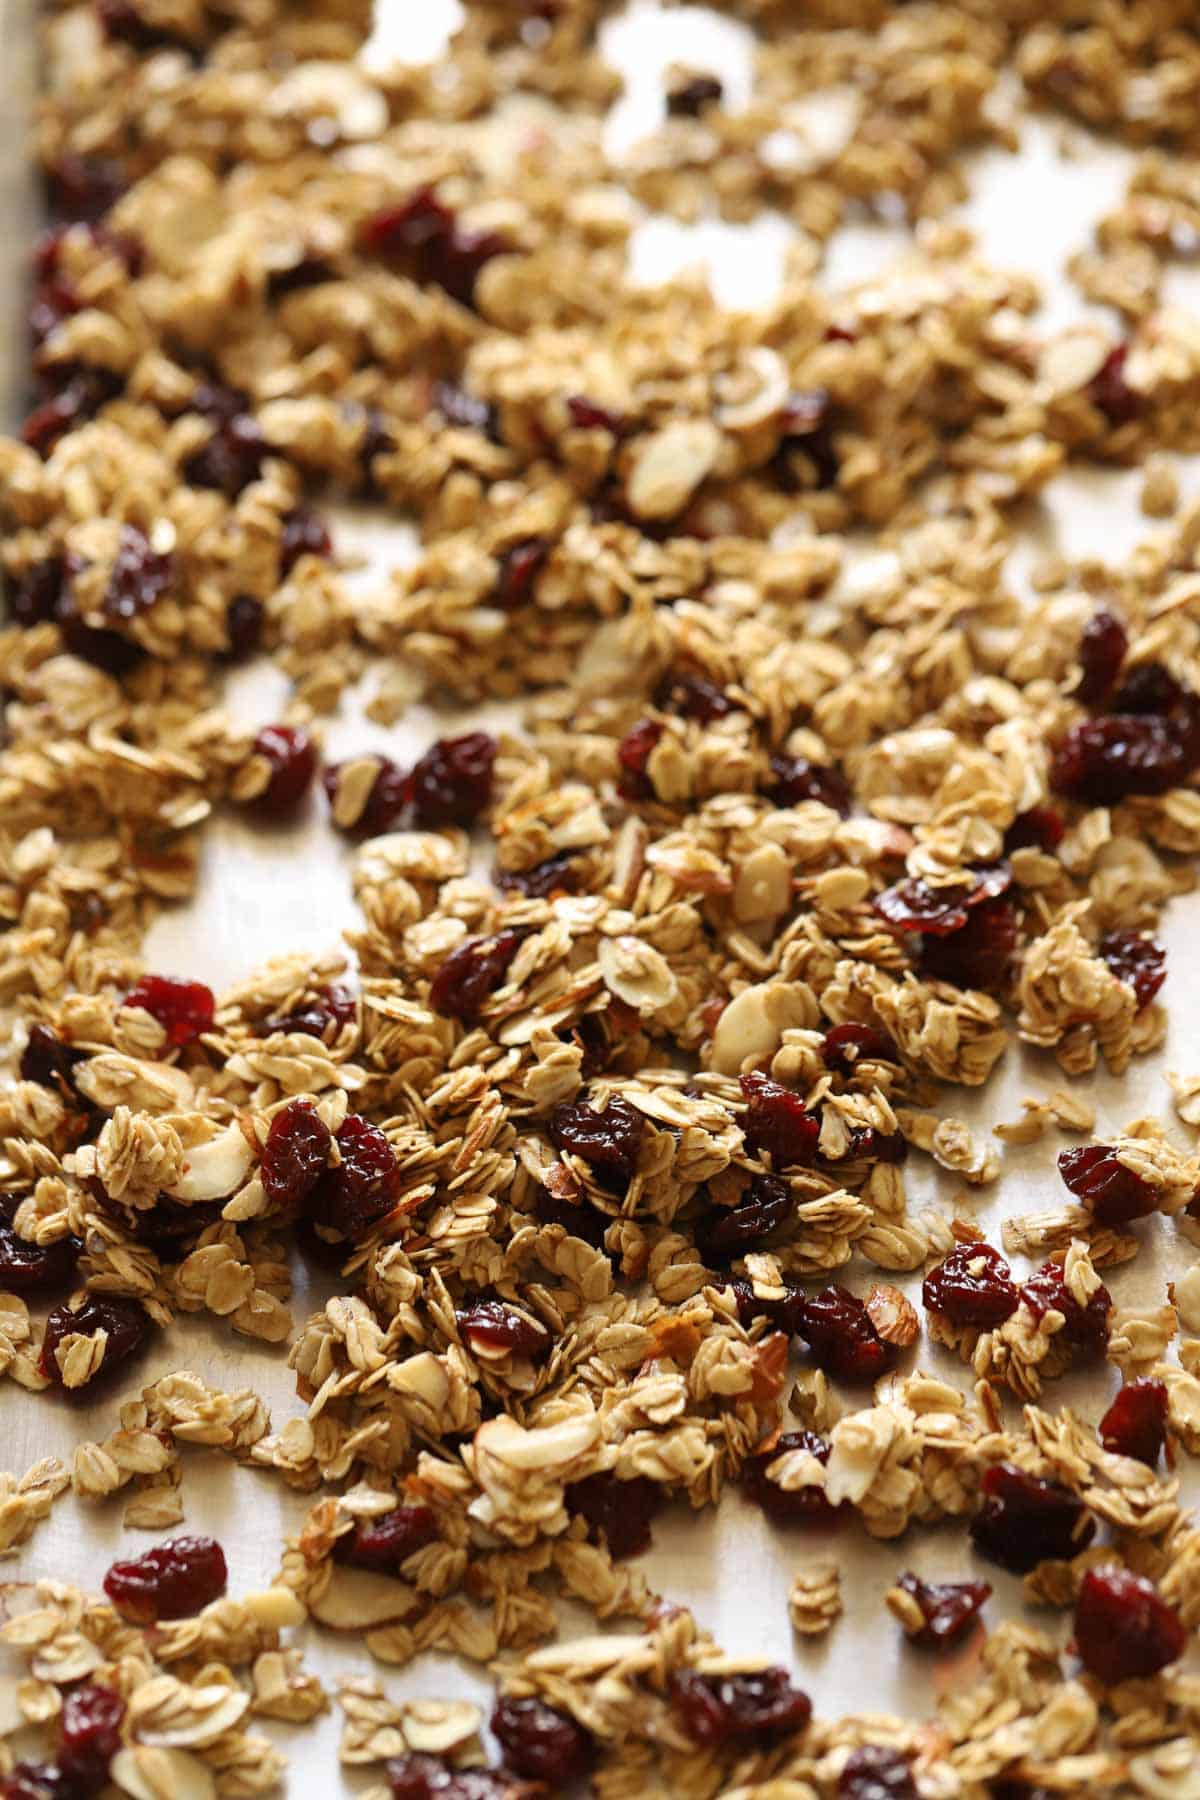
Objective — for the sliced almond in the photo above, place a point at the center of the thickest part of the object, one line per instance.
(670, 465)
(216, 1169)
(892, 1314)
(153, 1774)
(357, 1600)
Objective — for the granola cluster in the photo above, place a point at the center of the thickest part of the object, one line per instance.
(616, 1123)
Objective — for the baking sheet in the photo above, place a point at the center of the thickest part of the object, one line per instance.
(260, 897)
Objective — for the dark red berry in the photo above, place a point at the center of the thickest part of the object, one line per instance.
(979, 954)
(386, 805)
(232, 458)
(1109, 391)
(789, 1506)
(690, 98)
(1102, 648)
(916, 905)
(693, 696)
(78, 397)
(168, 1227)
(765, 1208)
(139, 579)
(50, 1062)
(838, 1330)
(869, 1145)
(27, 1268)
(877, 1772)
(1150, 688)
(37, 1781)
(794, 779)
(452, 782)
(974, 1286)
(1024, 1520)
(295, 1153)
(785, 1313)
(243, 626)
(331, 1006)
(1136, 1422)
(1105, 760)
(777, 1123)
(557, 875)
(1138, 961)
(184, 1009)
(540, 1742)
(807, 455)
(56, 300)
(520, 567)
(465, 411)
(1041, 828)
(123, 23)
(308, 272)
(490, 1327)
(420, 1777)
(170, 1581)
(735, 1709)
(291, 756)
(589, 415)
(353, 1196)
(633, 753)
(33, 597)
(608, 1141)
(84, 187)
(89, 1735)
(305, 533)
(618, 1513)
(1124, 1629)
(126, 1324)
(471, 974)
(844, 1046)
(947, 1607)
(1112, 1193)
(422, 236)
(1086, 1328)
(383, 1543)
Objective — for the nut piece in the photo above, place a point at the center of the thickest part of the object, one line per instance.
(358, 1600)
(892, 1314)
(670, 465)
(148, 1774)
(815, 1599)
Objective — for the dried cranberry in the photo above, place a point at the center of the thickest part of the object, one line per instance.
(693, 696)
(608, 1141)
(633, 753)
(122, 23)
(794, 779)
(1105, 760)
(243, 626)
(1112, 1193)
(305, 533)
(1086, 1327)
(420, 1777)
(557, 875)
(295, 1153)
(464, 411)
(1136, 1422)
(844, 1046)
(139, 579)
(471, 974)
(232, 458)
(947, 1607)
(734, 1709)
(126, 1324)
(83, 392)
(169, 1226)
(869, 1145)
(308, 272)
(89, 1734)
(765, 1208)
(1109, 391)
(1124, 1629)
(520, 567)
(48, 1061)
(877, 1772)
(386, 804)
(1138, 961)
(383, 1543)
(690, 98)
(27, 1268)
(974, 1286)
(291, 756)
(589, 415)
(55, 301)
(352, 1197)
(332, 1005)
(838, 1330)
(979, 954)
(784, 1313)
(184, 1009)
(33, 597)
(452, 782)
(490, 1326)
(1149, 688)
(1102, 648)
(915, 905)
(170, 1581)
(422, 235)
(777, 1122)
(84, 187)
(37, 1781)
(1041, 828)
(807, 455)
(618, 1513)
(540, 1742)
(1024, 1520)
(789, 1506)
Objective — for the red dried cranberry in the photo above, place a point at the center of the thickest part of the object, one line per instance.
(464, 411)
(122, 23)
(978, 955)
(836, 1326)
(877, 1772)
(1113, 1194)
(789, 1506)
(589, 415)
(915, 905)
(733, 1709)
(352, 1197)
(33, 598)
(139, 579)
(785, 1313)
(27, 1268)
(1136, 1422)
(184, 1009)
(777, 1122)
(807, 456)
(295, 1153)
(423, 236)
(727, 1231)
(232, 458)
(557, 875)
(89, 1734)
(305, 533)
(844, 1046)
(1109, 391)
(1024, 1520)
(633, 753)
(243, 626)
(1124, 1629)
(489, 1325)
(170, 1581)
(1105, 760)
(452, 782)
(37, 1781)
(869, 1145)
(55, 301)
(292, 757)
(382, 1544)
(127, 1326)
(1149, 688)
(331, 1005)
(1086, 1327)
(608, 1141)
(1138, 961)
(690, 98)
(420, 1777)
(1041, 828)
(471, 974)
(974, 1286)
(1102, 648)
(540, 1742)
(82, 393)
(618, 1513)
(520, 567)
(169, 1226)
(794, 779)
(84, 187)
(386, 805)
(308, 272)
(48, 1061)
(693, 696)
(948, 1607)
